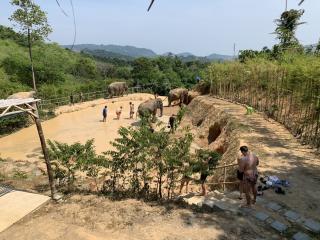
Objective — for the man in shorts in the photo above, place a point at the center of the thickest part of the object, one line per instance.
(248, 165)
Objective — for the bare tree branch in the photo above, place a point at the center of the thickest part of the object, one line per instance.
(301, 2)
(61, 9)
(150, 5)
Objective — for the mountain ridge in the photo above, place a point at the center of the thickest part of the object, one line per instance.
(131, 52)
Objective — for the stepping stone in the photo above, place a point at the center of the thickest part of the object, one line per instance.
(301, 236)
(246, 210)
(274, 206)
(280, 227)
(260, 200)
(196, 200)
(312, 225)
(292, 216)
(208, 203)
(261, 216)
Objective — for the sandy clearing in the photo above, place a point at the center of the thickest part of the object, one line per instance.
(79, 122)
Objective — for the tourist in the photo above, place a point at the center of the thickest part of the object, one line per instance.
(71, 99)
(118, 112)
(80, 97)
(204, 173)
(172, 123)
(186, 178)
(104, 113)
(248, 165)
(240, 178)
(131, 110)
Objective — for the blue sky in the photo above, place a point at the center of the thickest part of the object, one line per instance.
(197, 26)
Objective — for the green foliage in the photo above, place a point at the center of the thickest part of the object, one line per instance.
(164, 73)
(31, 20)
(206, 160)
(12, 123)
(182, 111)
(9, 33)
(19, 175)
(68, 159)
(85, 67)
(140, 156)
(287, 26)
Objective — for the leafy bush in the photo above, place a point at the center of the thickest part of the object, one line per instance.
(68, 159)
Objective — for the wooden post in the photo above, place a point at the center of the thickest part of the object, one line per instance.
(45, 153)
(225, 176)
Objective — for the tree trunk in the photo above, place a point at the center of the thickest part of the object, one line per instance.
(46, 157)
(31, 61)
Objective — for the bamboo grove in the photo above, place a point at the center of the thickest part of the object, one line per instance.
(287, 90)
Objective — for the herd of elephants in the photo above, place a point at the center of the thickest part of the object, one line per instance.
(150, 107)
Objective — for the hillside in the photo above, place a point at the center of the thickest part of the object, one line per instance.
(130, 52)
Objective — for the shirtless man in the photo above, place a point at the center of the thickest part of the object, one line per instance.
(248, 165)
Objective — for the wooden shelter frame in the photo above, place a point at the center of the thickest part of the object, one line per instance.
(10, 107)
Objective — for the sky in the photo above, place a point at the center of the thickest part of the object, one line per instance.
(201, 27)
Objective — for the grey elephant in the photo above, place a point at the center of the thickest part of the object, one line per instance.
(150, 107)
(180, 94)
(192, 95)
(117, 89)
(22, 95)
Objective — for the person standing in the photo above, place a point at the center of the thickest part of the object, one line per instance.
(104, 113)
(240, 177)
(248, 165)
(172, 123)
(131, 110)
(204, 173)
(80, 97)
(71, 99)
(118, 112)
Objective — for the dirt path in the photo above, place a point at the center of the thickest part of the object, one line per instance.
(281, 155)
(97, 218)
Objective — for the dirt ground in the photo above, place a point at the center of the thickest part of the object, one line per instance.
(280, 155)
(96, 218)
(79, 122)
(93, 217)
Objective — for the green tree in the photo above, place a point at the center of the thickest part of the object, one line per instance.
(33, 23)
(68, 159)
(287, 26)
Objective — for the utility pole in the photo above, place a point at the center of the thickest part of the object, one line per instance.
(286, 5)
(234, 50)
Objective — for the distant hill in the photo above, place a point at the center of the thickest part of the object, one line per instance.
(129, 53)
(215, 56)
(107, 54)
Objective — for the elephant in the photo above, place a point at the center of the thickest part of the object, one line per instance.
(150, 107)
(178, 94)
(22, 95)
(117, 89)
(192, 95)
